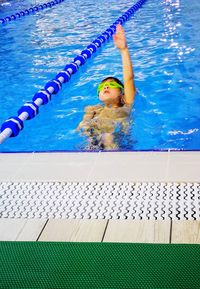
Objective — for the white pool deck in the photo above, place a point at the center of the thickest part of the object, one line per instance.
(100, 167)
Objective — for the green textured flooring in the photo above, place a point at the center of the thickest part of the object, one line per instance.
(99, 265)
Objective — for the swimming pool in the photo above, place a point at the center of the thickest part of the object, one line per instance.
(163, 40)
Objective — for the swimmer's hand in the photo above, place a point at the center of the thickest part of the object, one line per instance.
(90, 112)
(120, 38)
(93, 109)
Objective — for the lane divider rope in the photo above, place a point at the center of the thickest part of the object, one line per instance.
(13, 125)
(29, 11)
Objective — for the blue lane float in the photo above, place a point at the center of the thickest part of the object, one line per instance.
(13, 125)
(29, 11)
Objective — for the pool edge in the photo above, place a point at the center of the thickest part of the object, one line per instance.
(101, 167)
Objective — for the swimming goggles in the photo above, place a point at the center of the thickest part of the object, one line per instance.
(111, 84)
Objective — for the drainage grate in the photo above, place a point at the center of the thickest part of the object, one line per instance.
(91, 200)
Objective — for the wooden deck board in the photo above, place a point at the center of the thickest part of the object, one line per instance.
(185, 232)
(138, 231)
(20, 229)
(74, 230)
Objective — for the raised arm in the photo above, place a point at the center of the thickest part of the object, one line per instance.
(128, 75)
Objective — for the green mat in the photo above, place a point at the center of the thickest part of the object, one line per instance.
(99, 265)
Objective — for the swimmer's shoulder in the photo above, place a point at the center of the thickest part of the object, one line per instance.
(124, 110)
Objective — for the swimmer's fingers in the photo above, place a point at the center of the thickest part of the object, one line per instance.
(120, 29)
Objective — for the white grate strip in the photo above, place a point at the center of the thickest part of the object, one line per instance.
(156, 201)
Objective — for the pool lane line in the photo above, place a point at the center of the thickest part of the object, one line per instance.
(13, 125)
(29, 11)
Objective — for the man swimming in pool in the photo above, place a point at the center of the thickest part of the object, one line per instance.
(100, 121)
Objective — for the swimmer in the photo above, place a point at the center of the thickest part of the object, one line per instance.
(100, 121)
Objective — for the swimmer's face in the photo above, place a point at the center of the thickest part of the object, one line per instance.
(110, 92)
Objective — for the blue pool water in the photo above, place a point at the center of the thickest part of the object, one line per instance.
(163, 39)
